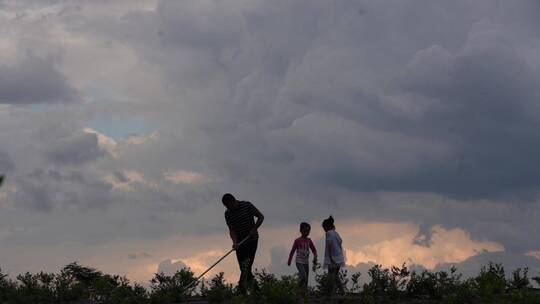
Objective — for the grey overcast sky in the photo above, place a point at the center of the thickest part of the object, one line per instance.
(414, 122)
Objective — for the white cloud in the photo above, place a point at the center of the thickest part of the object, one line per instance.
(141, 139)
(170, 267)
(534, 254)
(445, 246)
(185, 177)
(104, 141)
(126, 179)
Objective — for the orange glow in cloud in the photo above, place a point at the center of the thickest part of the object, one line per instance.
(534, 254)
(200, 262)
(445, 246)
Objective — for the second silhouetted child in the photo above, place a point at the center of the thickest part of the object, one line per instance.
(302, 245)
(333, 254)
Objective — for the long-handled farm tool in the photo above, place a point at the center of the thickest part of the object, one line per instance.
(194, 283)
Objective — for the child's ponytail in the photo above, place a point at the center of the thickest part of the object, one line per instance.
(328, 223)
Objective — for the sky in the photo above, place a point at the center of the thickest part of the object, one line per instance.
(413, 122)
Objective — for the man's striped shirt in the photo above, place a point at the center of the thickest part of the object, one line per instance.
(241, 220)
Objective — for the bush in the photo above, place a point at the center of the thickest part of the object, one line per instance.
(490, 284)
(218, 291)
(172, 289)
(520, 279)
(355, 279)
(385, 283)
(325, 282)
(35, 288)
(271, 290)
(74, 283)
(80, 284)
(435, 285)
(7, 288)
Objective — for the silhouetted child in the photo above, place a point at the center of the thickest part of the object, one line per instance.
(333, 254)
(301, 246)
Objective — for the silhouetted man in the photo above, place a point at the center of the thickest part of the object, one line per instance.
(240, 219)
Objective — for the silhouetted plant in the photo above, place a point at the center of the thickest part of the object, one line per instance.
(80, 284)
(491, 282)
(270, 289)
(7, 288)
(171, 289)
(520, 279)
(35, 288)
(117, 289)
(325, 283)
(385, 283)
(218, 290)
(433, 285)
(355, 279)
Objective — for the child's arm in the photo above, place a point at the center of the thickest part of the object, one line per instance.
(314, 250)
(293, 249)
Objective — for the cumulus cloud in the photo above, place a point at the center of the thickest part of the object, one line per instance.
(45, 190)
(33, 81)
(329, 99)
(104, 142)
(6, 164)
(168, 267)
(75, 149)
(446, 246)
(125, 180)
(184, 177)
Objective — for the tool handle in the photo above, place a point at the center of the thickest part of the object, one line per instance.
(213, 265)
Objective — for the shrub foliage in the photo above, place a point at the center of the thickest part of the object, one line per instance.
(80, 284)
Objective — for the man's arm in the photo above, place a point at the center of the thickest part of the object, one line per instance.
(233, 238)
(260, 220)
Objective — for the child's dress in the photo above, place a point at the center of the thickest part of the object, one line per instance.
(302, 246)
(333, 240)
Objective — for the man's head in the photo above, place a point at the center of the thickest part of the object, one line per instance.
(229, 201)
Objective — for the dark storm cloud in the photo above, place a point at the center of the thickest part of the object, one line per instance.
(33, 81)
(322, 101)
(6, 164)
(75, 149)
(45, 190)
(120, 176)
(304, 102)
(307, 86)
(486, 107)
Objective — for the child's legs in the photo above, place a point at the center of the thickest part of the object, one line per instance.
(333, 271)
(303, 274)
